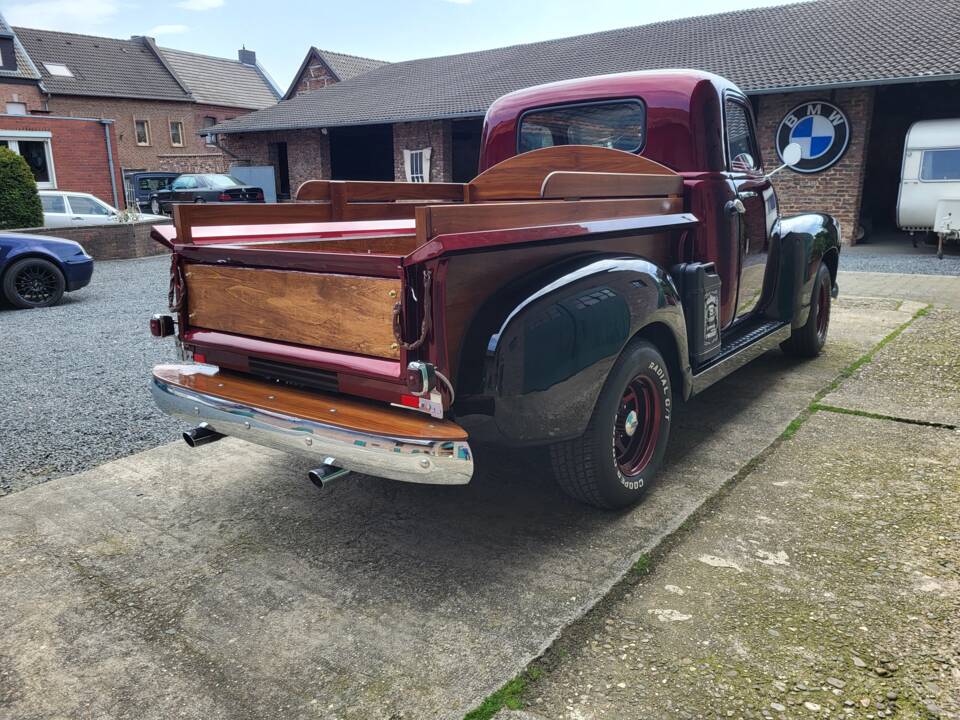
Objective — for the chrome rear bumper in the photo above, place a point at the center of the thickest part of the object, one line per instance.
(433, 462)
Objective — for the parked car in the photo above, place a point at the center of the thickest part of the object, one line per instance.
(70, 209)
(204, 188)
(36, 270)
(929, 198)
(141, 186)
(566, 298)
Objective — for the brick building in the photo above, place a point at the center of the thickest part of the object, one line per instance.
(321, 68)
(859, 66)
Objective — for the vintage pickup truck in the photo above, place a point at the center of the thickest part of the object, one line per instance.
(621, 250)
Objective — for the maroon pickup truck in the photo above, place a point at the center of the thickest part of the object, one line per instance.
(620, 251)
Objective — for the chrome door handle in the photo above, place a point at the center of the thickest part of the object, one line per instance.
(747, 195)
(735, 207)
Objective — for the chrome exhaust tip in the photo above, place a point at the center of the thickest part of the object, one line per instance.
(326, 474)
(200, 435)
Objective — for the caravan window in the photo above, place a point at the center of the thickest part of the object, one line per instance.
(940, 165)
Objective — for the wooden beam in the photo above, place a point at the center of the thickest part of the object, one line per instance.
(568, 185)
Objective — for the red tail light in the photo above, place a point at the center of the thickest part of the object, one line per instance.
(199, 357)
(224, 197)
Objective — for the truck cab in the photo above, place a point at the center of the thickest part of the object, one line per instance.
(620, 251)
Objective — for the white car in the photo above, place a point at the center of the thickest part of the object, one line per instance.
(71, 209)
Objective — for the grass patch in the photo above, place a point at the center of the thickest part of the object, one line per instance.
(641, 567)
(509, 696)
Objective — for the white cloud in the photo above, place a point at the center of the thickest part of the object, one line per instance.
(73, 15)
(200, 5)
(159, 30)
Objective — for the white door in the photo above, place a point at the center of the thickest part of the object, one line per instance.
(55, 211)
(89, 211)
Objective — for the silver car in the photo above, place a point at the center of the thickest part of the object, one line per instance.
(71, 209)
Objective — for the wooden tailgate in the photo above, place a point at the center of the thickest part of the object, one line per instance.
(338, 312)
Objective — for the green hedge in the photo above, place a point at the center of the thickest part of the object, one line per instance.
(19, 202)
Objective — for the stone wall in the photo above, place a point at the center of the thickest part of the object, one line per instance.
(115, 241)
(434, 134)
(837, 190)
(27, 93)
(315, 75)
(308, 152)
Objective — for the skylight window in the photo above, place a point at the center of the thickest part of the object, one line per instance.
(58, 70)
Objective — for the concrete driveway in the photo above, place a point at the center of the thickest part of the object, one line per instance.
(218, 583)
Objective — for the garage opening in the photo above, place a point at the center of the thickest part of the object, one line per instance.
(896, 108)
(466, 148)
(363, 152)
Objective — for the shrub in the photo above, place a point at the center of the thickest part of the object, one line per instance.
(19, 202)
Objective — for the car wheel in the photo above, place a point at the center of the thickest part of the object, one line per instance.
(619, 455)
(808, 341)
(33, 283)
(199, 201)
(155, 206)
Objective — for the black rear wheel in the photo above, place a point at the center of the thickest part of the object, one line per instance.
(618, 456)
(33, 283)
(808, 341)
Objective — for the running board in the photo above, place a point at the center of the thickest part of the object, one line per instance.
(738, 353)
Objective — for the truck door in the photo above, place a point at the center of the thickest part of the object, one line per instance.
(757, 208)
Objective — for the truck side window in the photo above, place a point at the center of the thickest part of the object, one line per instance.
(741, 145)
(618, 124)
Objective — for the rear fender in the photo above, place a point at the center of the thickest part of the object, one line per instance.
(549, 355)
(799, 244)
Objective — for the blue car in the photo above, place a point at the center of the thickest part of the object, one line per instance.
(35, 270)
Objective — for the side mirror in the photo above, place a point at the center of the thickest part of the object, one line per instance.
(792, 154)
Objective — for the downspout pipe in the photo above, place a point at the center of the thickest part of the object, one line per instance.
(113, 176)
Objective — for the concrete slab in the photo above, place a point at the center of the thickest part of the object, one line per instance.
(823, 584)
(941, 290)
(916, 376)
(217, 583)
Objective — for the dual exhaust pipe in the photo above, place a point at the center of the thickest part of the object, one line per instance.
(321, 476)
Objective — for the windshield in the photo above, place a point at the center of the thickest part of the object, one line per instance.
(619, 124)
(221, 181)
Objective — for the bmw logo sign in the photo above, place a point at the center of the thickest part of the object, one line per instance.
(822, 131)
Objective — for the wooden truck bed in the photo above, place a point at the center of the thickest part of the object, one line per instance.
(345, 268)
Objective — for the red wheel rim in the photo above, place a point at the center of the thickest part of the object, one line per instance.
(823, 311)
(637, 427)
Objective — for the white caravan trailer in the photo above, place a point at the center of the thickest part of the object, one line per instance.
(929, 199)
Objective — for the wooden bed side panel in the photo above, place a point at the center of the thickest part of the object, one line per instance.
(442, 220)
(187, 217)
(336, 312)
(472, 278)
(522, 176)
(378, 191)
(562, 185)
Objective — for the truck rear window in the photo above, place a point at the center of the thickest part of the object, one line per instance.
(618, 124)
(940, 164)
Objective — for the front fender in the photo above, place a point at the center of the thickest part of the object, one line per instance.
(801, 243)
(547, 361)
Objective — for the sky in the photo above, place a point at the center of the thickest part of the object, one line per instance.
(281, 31)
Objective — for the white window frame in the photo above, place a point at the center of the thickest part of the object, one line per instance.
(416, 165)
(171, 124)
(146, 124)
(58, 70)
(17, 109)
(12, 138)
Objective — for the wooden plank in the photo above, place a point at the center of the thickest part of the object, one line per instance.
(351, 413)
(521, 177)
(313, 190)
(445, 219)
(566, 185)
(338, 312)
(373, 191)
(187, 217)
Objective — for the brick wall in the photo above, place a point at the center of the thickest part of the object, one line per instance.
(116, 241)
(433, 134)
(79, 152)
(308, 152)
(161, 154)
(837, 190)
(315, 75)
(28, 94)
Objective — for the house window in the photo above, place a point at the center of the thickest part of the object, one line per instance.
(16, 108)
(34, 147)
(142, 131)
(58, 70)
(176, 133)
(417, 165)
(210, 121)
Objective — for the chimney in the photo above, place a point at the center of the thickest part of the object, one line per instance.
(247, 57)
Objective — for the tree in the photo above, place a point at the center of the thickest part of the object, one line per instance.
(19, 202)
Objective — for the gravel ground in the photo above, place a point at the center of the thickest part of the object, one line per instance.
(898, 256)
(74, 377)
